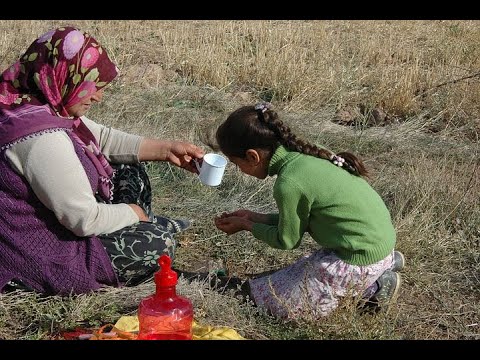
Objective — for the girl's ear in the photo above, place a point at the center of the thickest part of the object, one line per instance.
(252, 156)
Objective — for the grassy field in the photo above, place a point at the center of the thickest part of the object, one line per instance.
(404, 95)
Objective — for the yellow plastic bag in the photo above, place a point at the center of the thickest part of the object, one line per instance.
(200, 332)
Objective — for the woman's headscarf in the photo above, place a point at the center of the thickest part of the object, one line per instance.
(60, 68)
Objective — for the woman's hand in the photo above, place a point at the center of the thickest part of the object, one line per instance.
(178, 153)
(140, 212)
(182, 154)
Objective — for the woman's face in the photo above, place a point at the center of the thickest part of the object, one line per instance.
(81, 108)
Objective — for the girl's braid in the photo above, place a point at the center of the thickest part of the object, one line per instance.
(291, 141)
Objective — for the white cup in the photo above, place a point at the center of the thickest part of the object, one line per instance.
(212, 169)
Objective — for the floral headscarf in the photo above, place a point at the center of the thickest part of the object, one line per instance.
(60, 68)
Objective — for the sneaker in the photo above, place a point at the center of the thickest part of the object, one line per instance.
(398, 261)
(388, 285)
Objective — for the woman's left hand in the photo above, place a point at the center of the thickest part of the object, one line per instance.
(181, 154)
(178, 153)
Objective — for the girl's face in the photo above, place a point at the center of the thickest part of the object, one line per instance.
(255, 163)
(81, 108)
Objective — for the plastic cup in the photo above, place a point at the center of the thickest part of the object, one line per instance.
(212, 168)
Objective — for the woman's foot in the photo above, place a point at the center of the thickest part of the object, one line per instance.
(172, 225)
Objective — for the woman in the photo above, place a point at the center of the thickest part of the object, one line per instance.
(74, 196)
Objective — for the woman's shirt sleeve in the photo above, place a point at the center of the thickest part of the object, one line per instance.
(118, 147)
(293, 216)
(52, 168)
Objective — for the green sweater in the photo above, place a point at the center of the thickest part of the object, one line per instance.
(341, 211)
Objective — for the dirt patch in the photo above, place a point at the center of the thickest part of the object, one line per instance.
(362, 116)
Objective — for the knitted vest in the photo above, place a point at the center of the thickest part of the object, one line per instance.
(36, 249)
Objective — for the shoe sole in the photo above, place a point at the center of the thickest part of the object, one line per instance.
(398, 253)
(397, 289)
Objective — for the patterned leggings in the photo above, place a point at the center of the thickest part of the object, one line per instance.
(314, 285)
(135, 250)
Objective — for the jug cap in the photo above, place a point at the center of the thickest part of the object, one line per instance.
(165, 277)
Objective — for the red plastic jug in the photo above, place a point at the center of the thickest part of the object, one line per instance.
(165, 315)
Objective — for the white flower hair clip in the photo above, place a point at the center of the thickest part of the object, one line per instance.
(263, 106)
(337, 160)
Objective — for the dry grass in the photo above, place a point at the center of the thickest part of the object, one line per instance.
(179, 78)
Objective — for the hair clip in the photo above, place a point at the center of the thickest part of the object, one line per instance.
(337, 160)
(263, 106)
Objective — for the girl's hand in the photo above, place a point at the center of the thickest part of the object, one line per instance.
(245, 214)
(232, 224)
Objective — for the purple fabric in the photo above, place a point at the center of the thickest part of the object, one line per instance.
(82, 134)
(17, 124)
(37, 250)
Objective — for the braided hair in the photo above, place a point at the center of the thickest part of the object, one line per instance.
(258, 127)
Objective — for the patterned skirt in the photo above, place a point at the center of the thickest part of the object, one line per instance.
(135, 250)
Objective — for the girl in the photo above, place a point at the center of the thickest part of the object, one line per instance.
(318, 192)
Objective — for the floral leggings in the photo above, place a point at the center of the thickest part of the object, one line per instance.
(135, 250)
(314, 285)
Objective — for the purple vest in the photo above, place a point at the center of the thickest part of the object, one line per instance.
(36, 249)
